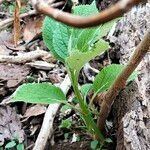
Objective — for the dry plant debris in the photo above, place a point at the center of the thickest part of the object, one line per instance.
(10, 126)
(32, 28)
(13, 74)
(35, 110)
(17, 22)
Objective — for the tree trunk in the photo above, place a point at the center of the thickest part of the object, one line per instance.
(132, 107)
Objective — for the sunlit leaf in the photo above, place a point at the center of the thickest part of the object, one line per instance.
(10, 145)
(78, 59)
(107, 76)
(42, 93)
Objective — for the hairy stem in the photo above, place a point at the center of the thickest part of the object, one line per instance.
(120, 82)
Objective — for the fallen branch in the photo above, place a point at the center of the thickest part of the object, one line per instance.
(47, 126)
(113, 12)
(120, 82)
(26, 57)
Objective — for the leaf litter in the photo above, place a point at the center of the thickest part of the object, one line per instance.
(10, 126)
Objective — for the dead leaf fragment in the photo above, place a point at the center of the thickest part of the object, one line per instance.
(13, 74)
(32, 29)
(35, 110)
(10, 126)
(5, 39)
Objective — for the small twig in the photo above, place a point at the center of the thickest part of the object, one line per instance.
(113, 12)
(26, 57)
(9, 21)
(120, 82)
(47, 125)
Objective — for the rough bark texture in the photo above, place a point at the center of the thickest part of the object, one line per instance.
(132, 107)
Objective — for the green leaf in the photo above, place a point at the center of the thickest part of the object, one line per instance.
(132, 76)
(66, 123)
(85, 10)
(105, 28)
(64, 108)
(61, 37)
(94, 144)
(20, 146)
(66, 136)
(86, 88)
(107, 76)
(78, 59)
(48, 29)
(57, 36)
(84, 39)
(108, 140)
(1, 148)
(43, 93)
(10, 144)
(63, 40)
(82, 36)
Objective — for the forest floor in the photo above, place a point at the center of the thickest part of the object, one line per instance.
(30, 61)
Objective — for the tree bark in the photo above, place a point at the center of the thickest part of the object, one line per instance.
(132, 107)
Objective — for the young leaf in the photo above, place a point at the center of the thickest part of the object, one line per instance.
(107, 76)
(48, 29)
(42, 93)
(83, 41)
(108, 140)
(105, 28)
(94, 144)
(82, 36)
(85, 10)
(66, 123)
(85, 89)
(64, 108)
(66, 136)
(10, 145)
(78, 59)
(61, 37)
(20, 146)
(57, 36)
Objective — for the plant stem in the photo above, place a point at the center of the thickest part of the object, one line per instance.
(120, 82)
(86, 114)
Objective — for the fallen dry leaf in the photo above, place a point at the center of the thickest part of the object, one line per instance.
(2, 91)
(10, 126)
(32, 29)
(17, 22)
(13, 74)
(35, 110)
(5, 39)
(55, 78)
